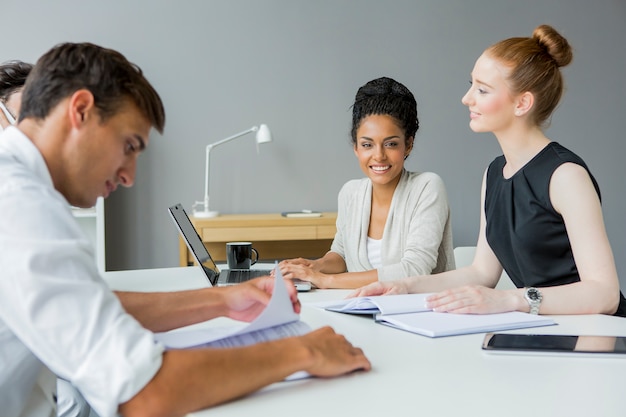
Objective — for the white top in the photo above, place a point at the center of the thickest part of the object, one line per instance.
(417, 238)
(56, 312)
(374, 249)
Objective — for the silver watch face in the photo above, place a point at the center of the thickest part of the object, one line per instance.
(534, 297)
(533, 294)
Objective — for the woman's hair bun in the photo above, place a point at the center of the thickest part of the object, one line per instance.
(554, 44)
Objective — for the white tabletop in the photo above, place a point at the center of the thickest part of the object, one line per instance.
(414, 375)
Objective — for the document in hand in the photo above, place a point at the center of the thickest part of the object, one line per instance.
(409, 312)
(278, 320)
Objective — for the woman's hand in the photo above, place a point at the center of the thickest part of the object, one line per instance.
(381, 288)
(305, 270)
(474, 299)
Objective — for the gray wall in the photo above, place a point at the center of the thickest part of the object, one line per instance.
(223, 66)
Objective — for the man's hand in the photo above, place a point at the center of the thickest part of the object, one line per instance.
(332, 354)
(247, 300)
(193, 379)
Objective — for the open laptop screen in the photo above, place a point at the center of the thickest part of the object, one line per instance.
(194, 243)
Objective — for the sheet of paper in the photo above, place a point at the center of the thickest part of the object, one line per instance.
(279, 311)
(434, 324)
(384, 304)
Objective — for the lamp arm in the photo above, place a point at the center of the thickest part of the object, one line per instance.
(208, 159)
(235, 136)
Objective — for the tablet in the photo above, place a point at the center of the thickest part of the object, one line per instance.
(542, 344)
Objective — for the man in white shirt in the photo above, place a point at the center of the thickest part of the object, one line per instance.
(13, 75)
(86, 115)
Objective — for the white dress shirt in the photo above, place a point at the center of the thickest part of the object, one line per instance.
(56, 312)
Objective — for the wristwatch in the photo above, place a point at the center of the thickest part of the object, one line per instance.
(534, 297)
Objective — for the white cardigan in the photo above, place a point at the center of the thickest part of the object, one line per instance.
(417, 239)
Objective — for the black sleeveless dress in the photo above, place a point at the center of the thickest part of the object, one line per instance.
(524, 231)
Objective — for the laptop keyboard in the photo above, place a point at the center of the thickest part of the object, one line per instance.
(235, 275)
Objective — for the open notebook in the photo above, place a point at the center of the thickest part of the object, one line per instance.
(409, 312)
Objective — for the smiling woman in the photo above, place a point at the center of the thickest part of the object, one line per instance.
(393, 223)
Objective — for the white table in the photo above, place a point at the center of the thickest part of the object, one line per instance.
(414, 375)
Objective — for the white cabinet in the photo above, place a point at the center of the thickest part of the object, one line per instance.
(92, 222)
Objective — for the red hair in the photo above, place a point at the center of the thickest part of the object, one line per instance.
(534, 65)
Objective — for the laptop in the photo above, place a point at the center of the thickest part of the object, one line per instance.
(215, 276)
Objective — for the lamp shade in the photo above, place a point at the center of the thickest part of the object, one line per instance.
(263, 135)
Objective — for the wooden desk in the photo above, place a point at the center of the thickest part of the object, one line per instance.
(274, 236)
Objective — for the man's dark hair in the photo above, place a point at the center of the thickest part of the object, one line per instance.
(106, 73)
(385, 96)
(12, 77)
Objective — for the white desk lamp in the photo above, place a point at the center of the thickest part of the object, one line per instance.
(263, 135)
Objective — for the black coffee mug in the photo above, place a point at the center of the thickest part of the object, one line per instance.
(241, 255)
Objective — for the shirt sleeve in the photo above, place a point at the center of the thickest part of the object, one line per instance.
(338, 245)
(55, 302)
(421, 220)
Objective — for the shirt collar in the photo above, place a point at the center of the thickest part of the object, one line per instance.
(24, 150)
